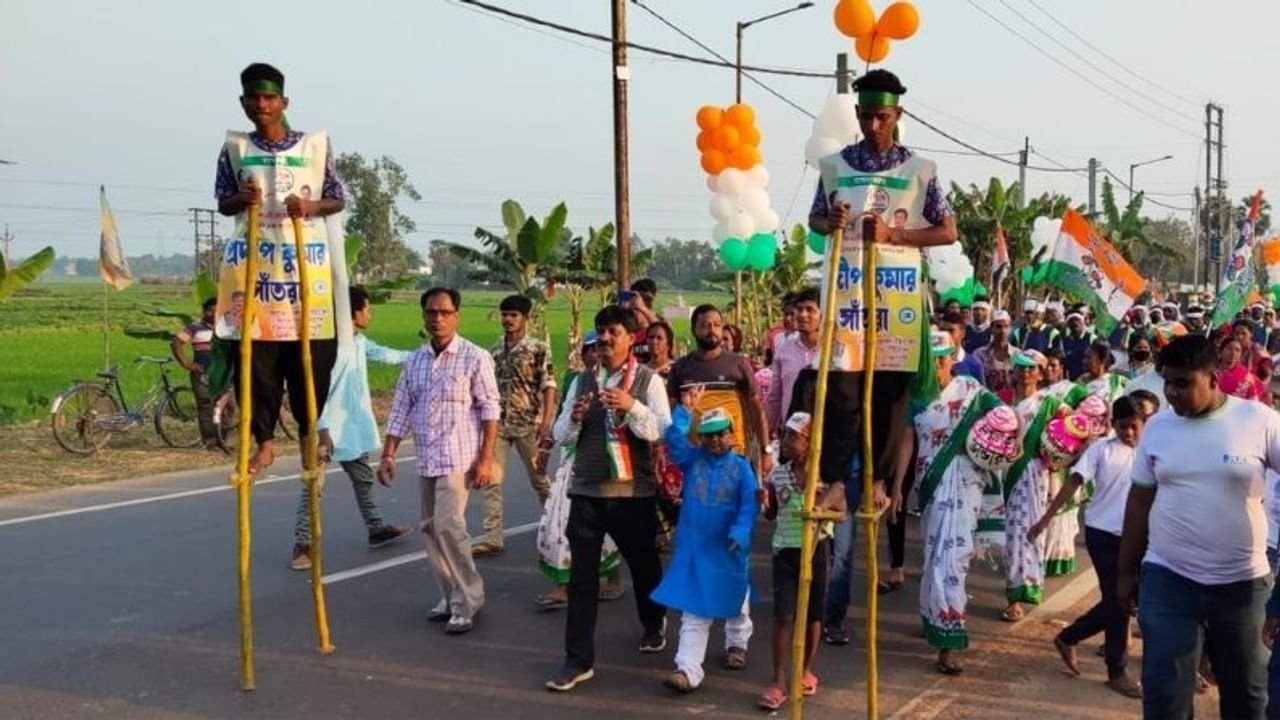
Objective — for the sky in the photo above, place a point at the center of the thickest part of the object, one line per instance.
(138, 94)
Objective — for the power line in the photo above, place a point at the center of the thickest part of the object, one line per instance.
(1093, 65)
(646, 48)
(119, 186)
(1123, 100)
(69, 208)
(1125, 185)
(704, 46)
(513, 23)
(1114, 61)
(979, 151)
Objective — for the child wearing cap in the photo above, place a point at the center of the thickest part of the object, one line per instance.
(708, 575)
(786, 488)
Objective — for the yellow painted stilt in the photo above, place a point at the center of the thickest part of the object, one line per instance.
(868, 514)
(312, 473)
(795, 706)
(243, 479)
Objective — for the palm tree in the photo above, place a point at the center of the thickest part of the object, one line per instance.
(1127, 230)
(14, 278)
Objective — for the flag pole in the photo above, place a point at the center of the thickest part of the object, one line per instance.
(106, 328)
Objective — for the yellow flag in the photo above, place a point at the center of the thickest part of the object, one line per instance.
(111, 262)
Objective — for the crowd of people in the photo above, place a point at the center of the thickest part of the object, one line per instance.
(1160, 437)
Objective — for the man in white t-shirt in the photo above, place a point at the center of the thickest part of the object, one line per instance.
(1104, 471)
(1194, 523)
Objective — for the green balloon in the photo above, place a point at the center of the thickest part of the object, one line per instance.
(760, 253)
(817, 243)
(733, 252)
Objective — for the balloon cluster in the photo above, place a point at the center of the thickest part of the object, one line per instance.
(1044, 237)
(952, 273)
(745, 220)
(871, 36)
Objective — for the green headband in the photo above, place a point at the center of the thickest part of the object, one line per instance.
(262, 86)
(877, 98)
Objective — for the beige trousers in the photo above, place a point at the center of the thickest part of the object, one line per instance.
(444, 533)
(527, 448)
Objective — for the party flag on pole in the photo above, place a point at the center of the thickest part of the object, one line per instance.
(1271, 258)
(1237, 274)
(1087, 266)
(1000, 259)
(111, 261)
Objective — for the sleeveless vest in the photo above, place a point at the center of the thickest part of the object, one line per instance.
(591, 463)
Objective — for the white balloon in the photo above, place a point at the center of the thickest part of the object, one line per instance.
(720, 232)
(839, 118)
(1044, 234)
(733, 181)
(820, 146)
(713, 183)
(757, 178)
(722, 206)
(753, 202)
(741, 225)
(766, 221)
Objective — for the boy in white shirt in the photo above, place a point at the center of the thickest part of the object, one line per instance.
(1105, 471)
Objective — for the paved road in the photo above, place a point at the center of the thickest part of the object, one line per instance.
(119, 600)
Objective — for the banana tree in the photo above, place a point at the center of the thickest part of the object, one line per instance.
(523, 257)
(14, 278)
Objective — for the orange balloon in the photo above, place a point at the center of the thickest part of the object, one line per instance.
(726, 137)
(750, 135)
(898, 21)
(714, 161)
(706, 140)
(855, 18)
(710, 117)
(740, 115)
(872, 48)
(745, 157)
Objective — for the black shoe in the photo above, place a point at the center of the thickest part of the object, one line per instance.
(386, 535)
(835, 635)
(568, 679)
(654, 641)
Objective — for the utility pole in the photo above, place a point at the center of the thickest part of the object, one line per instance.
(8, 240)
(1022, 173)
(1215, 208)
(842, 73)
(1093, 188)
(621, 192)
(208, 247)
(1195, 244)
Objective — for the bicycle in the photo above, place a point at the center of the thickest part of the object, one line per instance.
(226, 418)
(87, 414)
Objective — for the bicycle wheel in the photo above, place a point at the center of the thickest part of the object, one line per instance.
(177, 418)
(77, 415)
(226, 416)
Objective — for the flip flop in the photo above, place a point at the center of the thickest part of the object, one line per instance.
(547, 603)
(609, 594)
(772, 699)
(810, 686)
(884, 588)
(948, 668)
(1012, 614)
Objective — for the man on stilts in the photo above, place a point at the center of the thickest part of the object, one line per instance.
(860, 189)
(278, 168)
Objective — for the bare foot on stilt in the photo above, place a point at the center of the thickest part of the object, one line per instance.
(263, 458)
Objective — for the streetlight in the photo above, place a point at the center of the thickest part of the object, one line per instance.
(744, 25)
(1140, 164)
(737, 279)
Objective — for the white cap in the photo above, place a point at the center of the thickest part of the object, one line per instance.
(1076, 316)
(799, 423)
(1001, 316)
(1031, 305)
(982, 304)
(1055, 305)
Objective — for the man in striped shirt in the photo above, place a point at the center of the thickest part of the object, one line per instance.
(447, 395)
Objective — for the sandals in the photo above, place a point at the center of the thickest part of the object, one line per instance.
(1013, 613)
(810, 686)
(884, 588)
(678, 681)
(547, 603)
(735, 658)
(948, 667)
(772, 699)
(1068, 654)
(609, 594)
(1126, 686)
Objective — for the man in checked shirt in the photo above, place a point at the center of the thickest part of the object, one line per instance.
(447, 396)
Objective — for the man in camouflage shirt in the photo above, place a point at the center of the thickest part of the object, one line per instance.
(527, 386)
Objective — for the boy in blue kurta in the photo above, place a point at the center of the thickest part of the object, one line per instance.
(708, 575)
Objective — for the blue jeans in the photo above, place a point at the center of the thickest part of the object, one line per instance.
(840, 583)
(1177, 614)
